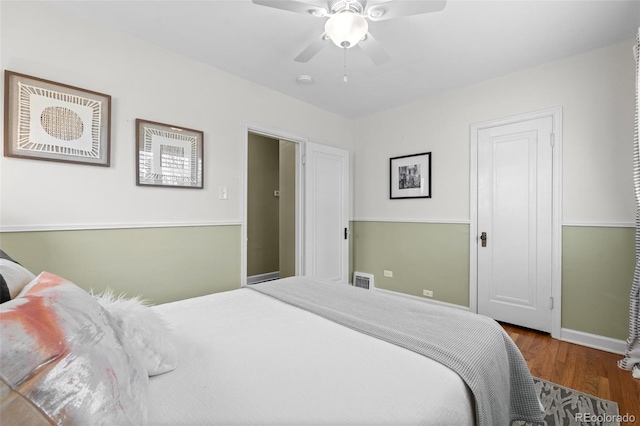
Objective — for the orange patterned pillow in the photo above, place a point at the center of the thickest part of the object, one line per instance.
(62, 352)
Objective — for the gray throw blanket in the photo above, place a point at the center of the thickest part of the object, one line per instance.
(473, 346)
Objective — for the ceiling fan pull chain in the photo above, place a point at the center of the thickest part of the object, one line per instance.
(345, 79)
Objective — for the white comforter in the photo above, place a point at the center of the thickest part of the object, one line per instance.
(246, 358)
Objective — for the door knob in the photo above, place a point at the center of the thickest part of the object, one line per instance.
(483, 238)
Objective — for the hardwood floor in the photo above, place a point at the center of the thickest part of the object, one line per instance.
(584, 369)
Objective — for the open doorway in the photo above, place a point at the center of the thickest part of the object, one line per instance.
(271, 240)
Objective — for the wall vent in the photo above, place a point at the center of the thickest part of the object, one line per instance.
(362, 280)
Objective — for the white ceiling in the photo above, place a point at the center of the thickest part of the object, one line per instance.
(467, 42)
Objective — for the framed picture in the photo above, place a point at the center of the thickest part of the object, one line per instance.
(168, 155)
(45, 120)
(410, 176)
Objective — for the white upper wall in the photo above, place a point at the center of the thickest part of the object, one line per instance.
(596, 92)
(145, 82)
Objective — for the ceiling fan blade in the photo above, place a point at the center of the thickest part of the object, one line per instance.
(400, 8)
(293, 6)
(312, 49)
(373, 50)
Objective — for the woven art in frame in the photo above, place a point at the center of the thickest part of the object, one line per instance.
(168, 155)
(45, 120)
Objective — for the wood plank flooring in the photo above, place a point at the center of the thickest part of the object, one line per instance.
(584, 369)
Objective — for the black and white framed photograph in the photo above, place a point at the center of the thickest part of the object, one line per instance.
(168, 155)
(410, 176)
(45, 120)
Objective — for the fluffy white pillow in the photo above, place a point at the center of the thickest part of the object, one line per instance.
(145, 329)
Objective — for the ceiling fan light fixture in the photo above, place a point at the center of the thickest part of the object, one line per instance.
(346, 29)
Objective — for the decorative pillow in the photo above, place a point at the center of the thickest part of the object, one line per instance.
(5, 296)
(13, 276)
(146, 330)
(64, 354)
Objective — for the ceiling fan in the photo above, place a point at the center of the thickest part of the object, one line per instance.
(347, 25)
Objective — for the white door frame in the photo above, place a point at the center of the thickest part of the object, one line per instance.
(556, 250)
(290, 137)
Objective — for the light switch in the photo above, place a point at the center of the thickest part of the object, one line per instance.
(222, 193)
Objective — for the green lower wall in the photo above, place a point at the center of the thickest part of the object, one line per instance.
(597, 273)
(160, 264)
(166, 264)
(421, 256)
(597, 270)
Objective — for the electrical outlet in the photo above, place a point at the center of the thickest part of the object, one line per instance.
(427, 293)
(388, 274)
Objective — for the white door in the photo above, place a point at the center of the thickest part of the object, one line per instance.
(326, 212)
(514, 222)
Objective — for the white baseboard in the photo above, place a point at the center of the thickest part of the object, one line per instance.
(255, 279)
(422, 299)
(593, 341)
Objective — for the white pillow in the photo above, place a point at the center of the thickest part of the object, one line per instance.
(144, 328)
(15, 275)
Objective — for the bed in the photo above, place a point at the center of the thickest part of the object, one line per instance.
(292, 351)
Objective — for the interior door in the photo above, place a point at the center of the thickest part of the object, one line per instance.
(326, 212)
(515, 223)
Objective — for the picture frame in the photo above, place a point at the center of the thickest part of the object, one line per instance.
(410, 176)
(168, 155)
(46, 120)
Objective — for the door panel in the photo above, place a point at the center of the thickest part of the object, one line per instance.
(327, 206)
(515, 212)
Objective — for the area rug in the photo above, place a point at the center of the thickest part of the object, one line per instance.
(565, 407)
